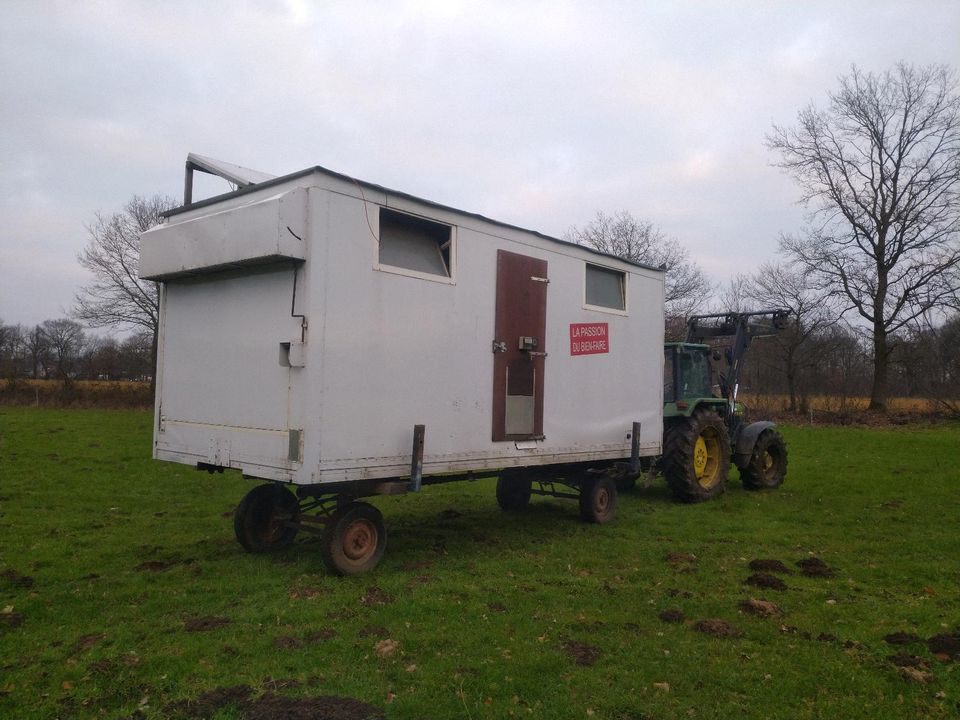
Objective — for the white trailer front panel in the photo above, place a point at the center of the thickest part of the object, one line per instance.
(304, 332)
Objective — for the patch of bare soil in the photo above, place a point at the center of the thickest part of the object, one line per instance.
(680, 559)
(287, 642)
(16, 579)
(904, 659)
(766, 581)
(326, 707)
(815, 567)
(497, 607)
(372, 631)
(945, 646)
(11, 620)
(917, 676)
(321, 635)
(207, 704)
(85, 642)
(386, 648)
(581, 653)
(827, 637)
(768, 565)
(672, 615)
(376, 596)
(902, 638)
(718, 628)
(761, 608)
(202, 624)
(102, 667)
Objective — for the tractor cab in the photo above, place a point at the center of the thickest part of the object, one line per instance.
(687, 378)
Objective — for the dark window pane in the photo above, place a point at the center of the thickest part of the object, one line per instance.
(414, 243)
(605, 287)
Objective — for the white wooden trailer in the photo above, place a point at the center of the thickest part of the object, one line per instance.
(335, 337)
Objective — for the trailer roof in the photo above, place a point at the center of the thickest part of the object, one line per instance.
(270, 181)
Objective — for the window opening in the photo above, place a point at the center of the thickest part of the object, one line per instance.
(606, 287)
(414, 243)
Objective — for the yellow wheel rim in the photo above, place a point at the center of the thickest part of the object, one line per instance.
(706, 458)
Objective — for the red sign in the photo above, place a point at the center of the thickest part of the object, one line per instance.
(589, 338)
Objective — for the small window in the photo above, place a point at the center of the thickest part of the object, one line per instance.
(414, 244)
(606, 288)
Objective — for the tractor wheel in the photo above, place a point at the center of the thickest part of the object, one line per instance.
(354, 539)
(513, 491)
(696, 456)
(768, 463)
(598, 499)
(259, 520)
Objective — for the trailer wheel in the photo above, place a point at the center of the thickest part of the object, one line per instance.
(598, 499)
(354, 539)
(259, 520)
(696, 457)
(513, 491)
(768, 463)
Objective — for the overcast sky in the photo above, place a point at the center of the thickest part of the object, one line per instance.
(536, 114)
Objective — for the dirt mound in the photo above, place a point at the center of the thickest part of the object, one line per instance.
(376, 596)
(202, 624)
(902, 638)
(903, 659)
(718, 628)
(767, 565)
(827, 637)
(16, 579)
(85, 642)
(11, 619)
(326, 707)
(581, 653)
(815, 567)
(672, 616)
(680, 559)
(321, 635)
(763, 580)
(272, 707)
(945, 646)
(287, 642)
(497, 607)
(207, 704)
(761, 608)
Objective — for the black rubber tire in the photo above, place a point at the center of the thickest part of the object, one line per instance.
(598, 499)
(680, 456)
(258, 519)
(354, 539)
(767, 468)
(626, 482)
(513, 491)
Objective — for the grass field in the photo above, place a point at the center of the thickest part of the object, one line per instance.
(123, 593)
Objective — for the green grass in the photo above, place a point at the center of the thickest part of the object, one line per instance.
(483, 601)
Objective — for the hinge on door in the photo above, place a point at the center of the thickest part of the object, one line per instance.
(539, 279)
(499, 346)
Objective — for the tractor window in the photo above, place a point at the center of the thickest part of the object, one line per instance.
(694, 371)
(668, 395)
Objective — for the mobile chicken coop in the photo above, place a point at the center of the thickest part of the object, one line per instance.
(341, 340)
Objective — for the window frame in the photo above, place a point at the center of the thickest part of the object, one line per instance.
(450, 279)
(625, 286)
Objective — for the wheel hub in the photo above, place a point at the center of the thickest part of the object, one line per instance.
(700, 457)
(360, 540)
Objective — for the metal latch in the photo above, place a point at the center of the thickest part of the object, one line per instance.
(499, 346)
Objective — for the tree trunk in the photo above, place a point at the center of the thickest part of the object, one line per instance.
(878, 393)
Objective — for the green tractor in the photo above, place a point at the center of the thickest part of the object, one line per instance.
(704, 431)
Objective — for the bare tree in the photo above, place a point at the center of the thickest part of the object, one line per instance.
(65, 340)
(880, 168)
(117, 297)
(776, 285)
(630, 238)
(36, 347)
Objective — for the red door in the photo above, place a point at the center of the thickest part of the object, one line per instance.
(519, 347)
